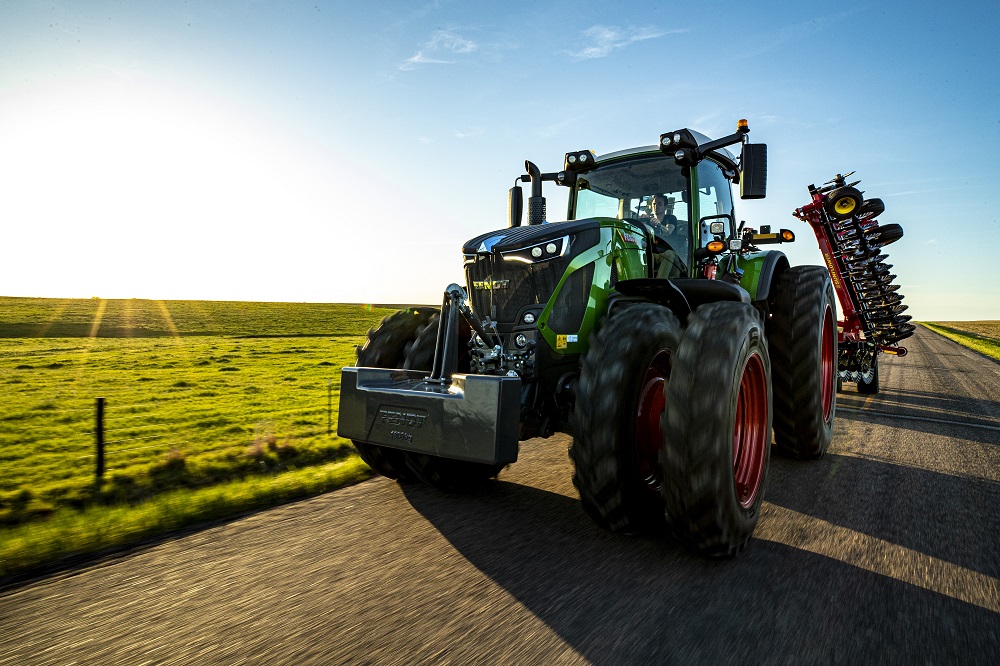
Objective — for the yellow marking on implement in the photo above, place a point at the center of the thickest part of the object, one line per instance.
(833, 270)
(814, 535)
(560, 342)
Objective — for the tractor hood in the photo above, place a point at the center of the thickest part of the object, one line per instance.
(516, 238)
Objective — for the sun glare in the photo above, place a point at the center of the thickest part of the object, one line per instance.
(151, 193)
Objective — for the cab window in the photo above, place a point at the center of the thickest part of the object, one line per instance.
(715, 196)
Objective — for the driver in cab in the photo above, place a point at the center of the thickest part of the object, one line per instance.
(669, 239)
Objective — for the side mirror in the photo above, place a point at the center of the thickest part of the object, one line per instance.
(753, 165)
(515, 206)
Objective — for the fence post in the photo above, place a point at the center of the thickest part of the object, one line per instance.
(99, 472)
(329, 406)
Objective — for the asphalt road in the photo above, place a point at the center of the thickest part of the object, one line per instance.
(885, 551)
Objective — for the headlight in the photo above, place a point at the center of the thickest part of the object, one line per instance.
(543, 251)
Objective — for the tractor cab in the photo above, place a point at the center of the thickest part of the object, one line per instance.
(677, 194)
(680, 208)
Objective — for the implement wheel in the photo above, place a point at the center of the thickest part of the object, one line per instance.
(718, 429)
(803, 345)
(617, 423)
(456, 476)
(868, 379)
(386, 347)
(842, 202)
(871, 208)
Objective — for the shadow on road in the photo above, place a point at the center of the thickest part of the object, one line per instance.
(944, 516)
(618, 599)
(975, 419)
(930, 422)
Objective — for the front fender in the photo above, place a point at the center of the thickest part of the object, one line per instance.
(760, 272)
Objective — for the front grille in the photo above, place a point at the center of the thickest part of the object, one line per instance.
(517, 284)
(526, 284)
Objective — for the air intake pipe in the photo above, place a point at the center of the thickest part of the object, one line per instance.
(536, 202)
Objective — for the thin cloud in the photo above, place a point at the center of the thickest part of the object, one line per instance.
(419, 58)
(441, 42)
(445, 40)
(603, 40)
(799, 31)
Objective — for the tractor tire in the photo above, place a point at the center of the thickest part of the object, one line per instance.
(420, 355)
(718, 429)
(843, 202)
(868, 379)
(803, 346)
(871, 208)
(386, 347)
(616, 421)
(456, 476)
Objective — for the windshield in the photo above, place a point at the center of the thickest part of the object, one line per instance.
(622, 190)
(652, 191)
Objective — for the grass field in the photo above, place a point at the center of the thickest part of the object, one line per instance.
(982, 336)
(198, 395)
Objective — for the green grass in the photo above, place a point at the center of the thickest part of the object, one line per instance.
(140, 318)
(208, 404)
(98, 528)
(981, 336)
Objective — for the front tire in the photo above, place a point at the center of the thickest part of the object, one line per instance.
(616, 421)
(718, 429)
(803, 346)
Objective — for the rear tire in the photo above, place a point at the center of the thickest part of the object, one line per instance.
(616, 421)
(803, 346)
(718, 429)
(386, 347)
(456, 476)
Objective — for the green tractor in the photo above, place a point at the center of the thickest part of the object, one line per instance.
(649, 326)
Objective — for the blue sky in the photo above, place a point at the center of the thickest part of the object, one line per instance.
(341, 152)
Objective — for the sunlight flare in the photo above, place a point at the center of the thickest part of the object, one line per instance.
(98, 316)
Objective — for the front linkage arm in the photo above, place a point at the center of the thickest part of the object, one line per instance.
(446, 350)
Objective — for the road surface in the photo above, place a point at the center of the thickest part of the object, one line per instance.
(884, 551)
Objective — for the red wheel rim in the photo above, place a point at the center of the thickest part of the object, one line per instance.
(750, 433)
(827, 364)
(648, 433)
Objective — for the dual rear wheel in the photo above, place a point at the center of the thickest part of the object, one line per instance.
(674, 427)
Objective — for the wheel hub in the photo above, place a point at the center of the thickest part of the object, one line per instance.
(648, 433)
(750, 432)
(827, 364)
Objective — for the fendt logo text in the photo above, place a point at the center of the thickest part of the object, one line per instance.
(398, 417)
(490, 284)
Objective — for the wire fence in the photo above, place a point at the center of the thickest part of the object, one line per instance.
(116, 428)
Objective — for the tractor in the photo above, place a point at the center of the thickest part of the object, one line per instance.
(649, 325)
